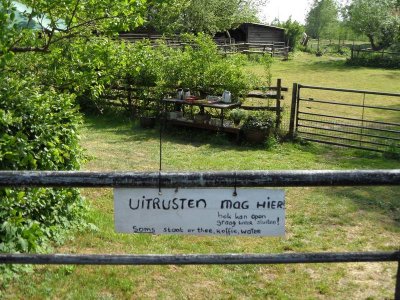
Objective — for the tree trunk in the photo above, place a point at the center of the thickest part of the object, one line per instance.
(373, 45)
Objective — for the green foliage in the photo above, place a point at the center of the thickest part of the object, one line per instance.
(38, 131)
(260, 120)
(267, 62)
(199, 66)
(69, 20)
(237, 115)
(293, 31)
(393, 151)
(90, 68)
(322, 19)
(208, 16)
(7, 30)
(375, 60)
(152, 71)
(378, 20)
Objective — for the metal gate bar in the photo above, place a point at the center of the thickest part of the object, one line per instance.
(349, 132)
(338, 138)
(346, 104)
(349, 119)
(348, 90)
(348, 125)
(388, 132)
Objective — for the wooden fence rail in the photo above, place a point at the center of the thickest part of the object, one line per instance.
(129, 96)
(200, 259)
(355, 52)
(296, 178)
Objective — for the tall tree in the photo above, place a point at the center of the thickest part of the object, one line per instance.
(378, 20)
(322, 19)
(294, 31)
(209, 16)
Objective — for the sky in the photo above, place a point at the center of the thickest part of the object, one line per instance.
(283, 9)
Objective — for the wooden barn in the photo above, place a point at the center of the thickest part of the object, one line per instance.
(252, 33)
(247, 38)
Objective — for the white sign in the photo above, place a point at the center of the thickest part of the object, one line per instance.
(253, 212)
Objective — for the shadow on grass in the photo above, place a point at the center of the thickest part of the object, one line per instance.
(392, 75)
(382, 200)
(337, 157)
(333, 64)
(379, 199)
(131, 131)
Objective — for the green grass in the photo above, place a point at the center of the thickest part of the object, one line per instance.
(318, 219)
(326, 71)
(330, 71)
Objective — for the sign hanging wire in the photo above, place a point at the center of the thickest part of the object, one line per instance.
(234, 187)
(160, 165)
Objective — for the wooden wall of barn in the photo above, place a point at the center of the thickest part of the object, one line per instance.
(262, 34)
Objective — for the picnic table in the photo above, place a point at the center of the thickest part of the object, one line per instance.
(202, 104)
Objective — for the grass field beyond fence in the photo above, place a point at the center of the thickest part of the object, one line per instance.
(318, 219)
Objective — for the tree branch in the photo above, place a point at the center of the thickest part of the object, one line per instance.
(73, 14)
(93, 20)
(29, 49)
(64, 37)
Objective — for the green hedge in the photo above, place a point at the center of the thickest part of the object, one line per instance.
(38, 131)
(198, 66)
(376, 60)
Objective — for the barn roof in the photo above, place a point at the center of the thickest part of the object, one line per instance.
(263, 25)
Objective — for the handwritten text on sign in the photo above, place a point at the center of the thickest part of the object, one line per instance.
(253, 212)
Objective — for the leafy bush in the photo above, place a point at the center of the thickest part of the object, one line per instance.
(293, 31)
(199, 66)
(38, 131)
(261, 120)
(375, 60)
(236, 115)
(102, 64)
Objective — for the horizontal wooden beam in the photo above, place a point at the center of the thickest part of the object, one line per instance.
(199, 259)
(259, 96)
(295, 178)
(255, 108)
(272, 88)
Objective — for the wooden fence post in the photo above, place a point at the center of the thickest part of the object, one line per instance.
(278, 103)
(293, 111)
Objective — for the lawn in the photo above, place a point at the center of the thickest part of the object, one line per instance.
(318, 219)
(328, 71)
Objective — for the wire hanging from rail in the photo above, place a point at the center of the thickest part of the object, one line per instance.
(234, 187)
(162, 118)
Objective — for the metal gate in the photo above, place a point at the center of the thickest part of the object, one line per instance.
(358, 119)
(202, 179)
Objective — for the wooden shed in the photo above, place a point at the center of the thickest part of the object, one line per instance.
(253, 33)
